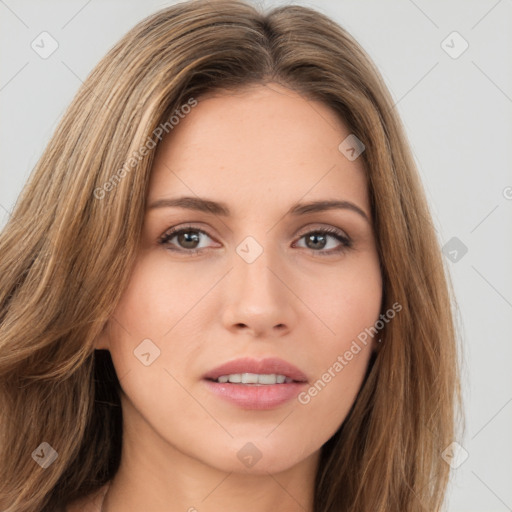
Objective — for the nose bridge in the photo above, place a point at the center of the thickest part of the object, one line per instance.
(252, 263)
(256, 296)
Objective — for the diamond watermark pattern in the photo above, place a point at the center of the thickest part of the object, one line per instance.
(44, 455)
(146, 352)
(249, 249)
(249, 455)
(44, 45)
(454, 455)
(454, 45)
(454, 249)
(351, 147)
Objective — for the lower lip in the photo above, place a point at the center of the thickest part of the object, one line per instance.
(251, 396)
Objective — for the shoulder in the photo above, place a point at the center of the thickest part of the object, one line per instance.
(90, 503)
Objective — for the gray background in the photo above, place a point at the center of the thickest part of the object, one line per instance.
(457, 113)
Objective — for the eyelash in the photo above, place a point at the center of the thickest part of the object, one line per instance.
(346, 242)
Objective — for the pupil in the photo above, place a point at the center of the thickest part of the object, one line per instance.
(189, 237)
(315, 238)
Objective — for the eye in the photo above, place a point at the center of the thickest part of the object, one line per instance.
(187, 239)
(317, 241)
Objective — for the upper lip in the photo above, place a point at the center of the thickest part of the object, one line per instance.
(270, 365)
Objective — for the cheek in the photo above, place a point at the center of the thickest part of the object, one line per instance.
(157, 297)
(324, 405)
(349, 307)
(346, 299)
(354, 306)
(155, 327)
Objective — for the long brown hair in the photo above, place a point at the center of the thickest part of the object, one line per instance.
(69, 246)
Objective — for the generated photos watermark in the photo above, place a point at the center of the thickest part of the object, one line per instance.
(343, 360)
(151, 142)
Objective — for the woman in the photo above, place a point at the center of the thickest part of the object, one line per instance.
(221, 288)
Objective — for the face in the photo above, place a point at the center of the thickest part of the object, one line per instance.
(257, 277)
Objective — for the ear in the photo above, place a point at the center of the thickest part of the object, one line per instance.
(102, 342)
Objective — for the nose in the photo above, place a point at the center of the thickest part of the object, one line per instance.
(258, 297)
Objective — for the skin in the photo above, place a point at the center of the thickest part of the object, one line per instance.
(260, 151)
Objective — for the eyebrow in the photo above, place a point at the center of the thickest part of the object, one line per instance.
(219, 208)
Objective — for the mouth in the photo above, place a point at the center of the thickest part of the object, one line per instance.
(256, 384)
(254, 379)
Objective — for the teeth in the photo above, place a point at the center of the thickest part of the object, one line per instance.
(254, 378)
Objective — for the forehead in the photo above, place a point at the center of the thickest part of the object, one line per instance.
(262, 141)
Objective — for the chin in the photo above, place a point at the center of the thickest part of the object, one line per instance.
(259, 456)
